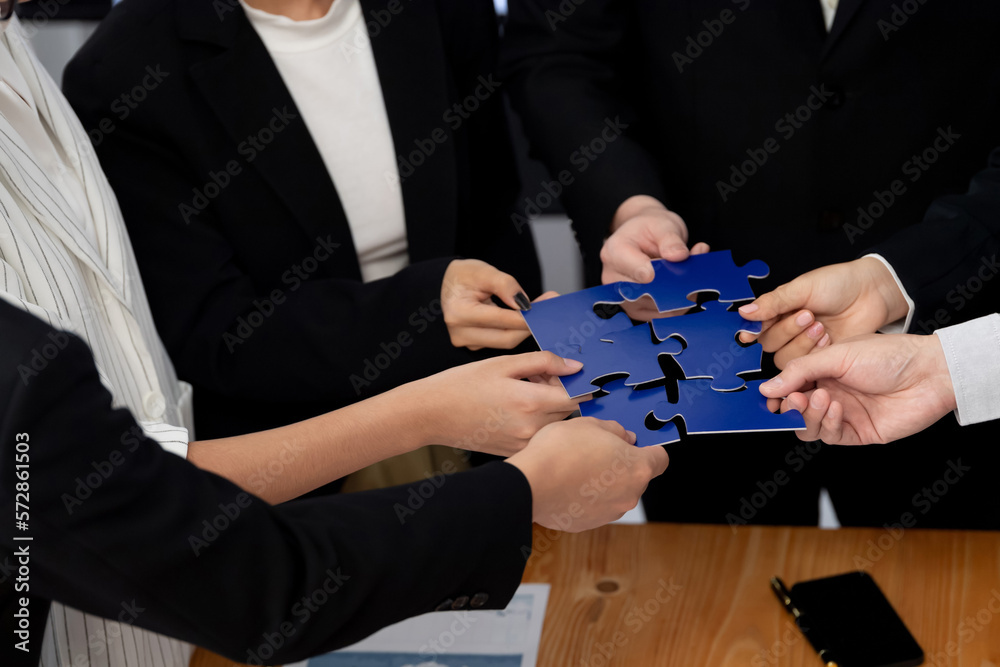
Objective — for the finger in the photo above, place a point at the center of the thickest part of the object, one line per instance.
(832, 431)
(540, 363)
(796, 401)
(801, 345)
(785, 329)
(548, 401)
(504, 286)
(798, 373)
(657, 458)
(612, 427)
(624, 260)
(487, 316)
(672, 247)
(476, 338)
(700, 249)
(815, 412)
(546, 296)
(785, 299)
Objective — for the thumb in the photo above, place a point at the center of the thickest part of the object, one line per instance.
(784, 299)
(612, 427)
(672, 247)
(828, 363)
(658, 459)
(541, 363)
(504, 286)
(625, 260)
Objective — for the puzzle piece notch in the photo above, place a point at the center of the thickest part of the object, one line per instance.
(633, 352)
(705, 410)
(711, 350)
(630, 408)
(675, 283)
(570, 320)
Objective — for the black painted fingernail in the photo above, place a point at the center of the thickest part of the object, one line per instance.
(522, 301)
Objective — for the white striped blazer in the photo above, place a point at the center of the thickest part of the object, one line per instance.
(76, 270)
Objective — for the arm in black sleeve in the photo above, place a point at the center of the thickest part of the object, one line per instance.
(948, 263)
(566, 78)
(487, 228)
(308, 335)
(115, 518)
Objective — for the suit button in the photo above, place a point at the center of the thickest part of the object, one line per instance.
(460, 602)
(444, 606)
(478, 600)
(830, 221)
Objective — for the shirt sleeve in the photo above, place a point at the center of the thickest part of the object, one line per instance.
(972, 350)
(174, 439)
(901, 325)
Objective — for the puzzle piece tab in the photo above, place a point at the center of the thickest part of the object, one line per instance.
(711, 349)
(707, 411)
(630, 407)
(676, 283)
(630, 352)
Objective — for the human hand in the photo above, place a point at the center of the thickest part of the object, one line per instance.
(870, 389)
(565, 465)
(644, 229)
(473, 320)
(485, 406)
(825, 306)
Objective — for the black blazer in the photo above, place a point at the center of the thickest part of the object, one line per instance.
(949, 263)
(222, 225)
(885, 85)
(132, 537)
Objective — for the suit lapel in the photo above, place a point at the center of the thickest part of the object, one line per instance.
(45, 199)
(412, 68)
(846, 9)
(243, 87)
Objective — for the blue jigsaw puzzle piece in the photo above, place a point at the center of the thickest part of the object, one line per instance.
(711, 349)
(631, 352)
(705, 410)
(569, 321)
(630, 407)
(676, 283)
(566, 324)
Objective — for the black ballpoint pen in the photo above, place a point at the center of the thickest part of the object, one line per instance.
(801, 620)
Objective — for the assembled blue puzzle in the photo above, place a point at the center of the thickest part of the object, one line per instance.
(626, 360)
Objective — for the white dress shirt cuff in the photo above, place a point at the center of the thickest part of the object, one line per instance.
(174, 439)
(972, 350)
(901, 325)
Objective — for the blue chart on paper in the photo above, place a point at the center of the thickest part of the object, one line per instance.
(413, 660)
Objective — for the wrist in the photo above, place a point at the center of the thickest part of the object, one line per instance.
(423, 416)
(938, 371)
(523, 463)
(887, 287)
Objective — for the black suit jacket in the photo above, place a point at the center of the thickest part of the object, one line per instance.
(228, 202)
(696, 95)
(949, 262)
(139, 534)
(698, 104)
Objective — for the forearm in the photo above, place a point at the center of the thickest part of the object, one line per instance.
(961, 234)
(284, 463)
(569, 90)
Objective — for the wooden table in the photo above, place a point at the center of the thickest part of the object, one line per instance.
(698, 596)
(692, 595)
